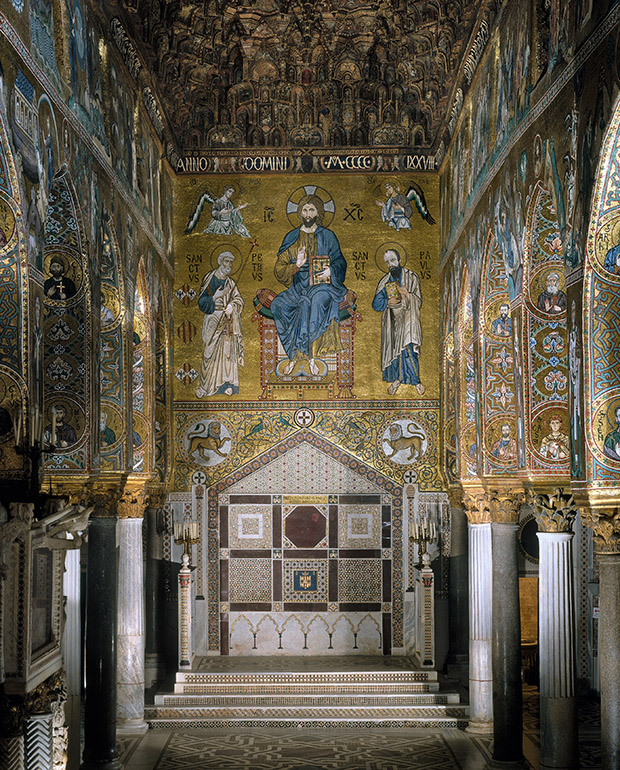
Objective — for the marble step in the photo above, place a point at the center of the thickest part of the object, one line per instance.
(165, 717)
(302, 683)
(235, 700)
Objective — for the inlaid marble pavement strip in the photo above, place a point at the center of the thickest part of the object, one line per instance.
(310, 750)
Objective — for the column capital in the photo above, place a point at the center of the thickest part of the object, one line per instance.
(477, 506)
(157, 495)
(605, 526)
(133, 502)
(554, 511)
(505, 505)
(104, 498)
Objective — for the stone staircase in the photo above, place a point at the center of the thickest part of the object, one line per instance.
(364, 697)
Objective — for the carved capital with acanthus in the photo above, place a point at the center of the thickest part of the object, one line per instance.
(605, 526)
(133, 503)
(506, 506)
(555, 511)
(104, 499)
(477, 507)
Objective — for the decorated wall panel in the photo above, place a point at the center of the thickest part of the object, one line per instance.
(544, 328)
(496, 366)
(601, 304)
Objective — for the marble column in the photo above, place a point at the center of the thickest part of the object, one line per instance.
(507, 686)
(72, 654)
(458, 609)
(480, 560)
(130, 625)
(154, 668)
(605, 523)
(38, 742)
(100, 706)
(559, 748)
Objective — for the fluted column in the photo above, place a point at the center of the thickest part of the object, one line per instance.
(458, 599)
(100, 707)
(480, 608)
(605, 523)
(130, 625)
(507, 687)
(555, 514)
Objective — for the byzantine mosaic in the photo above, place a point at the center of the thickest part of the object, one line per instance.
(359, 526)
(249, 526)
(305, 469)
(360, 580)
(249, 580)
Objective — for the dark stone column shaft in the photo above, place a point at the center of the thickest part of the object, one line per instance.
(100, 707)
(507, 692)
(154, 593)
(458, 606)
(609, 646)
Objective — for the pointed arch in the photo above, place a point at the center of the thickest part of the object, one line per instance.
(113, 364)
(142, 377)
(467, 438)
(601, 310)
(67, 333)
(15, 301)
(496, 365)
(545, 356)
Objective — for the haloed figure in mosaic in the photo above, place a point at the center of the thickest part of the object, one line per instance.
(555, 445)
(502, 326)
(58, 286)
(553, 299)
(399, 299)
(222, 335)
(311, 266)
(612, 439)
(505, 448)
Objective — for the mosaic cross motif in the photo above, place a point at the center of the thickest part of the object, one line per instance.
(304, 417)
(199, 477)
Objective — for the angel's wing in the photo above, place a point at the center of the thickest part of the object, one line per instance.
(415, 195)
(206, 197)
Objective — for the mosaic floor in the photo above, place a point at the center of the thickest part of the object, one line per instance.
(308, 750)
(294, 664)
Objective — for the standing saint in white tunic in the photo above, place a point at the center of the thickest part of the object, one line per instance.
(222, 335)
(399, 298)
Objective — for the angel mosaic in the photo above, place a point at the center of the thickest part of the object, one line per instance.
(397, 209)
(226, 218)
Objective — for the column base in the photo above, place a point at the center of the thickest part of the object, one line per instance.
(110, 764)
(495, 764)
(479, 728)
(124, 726)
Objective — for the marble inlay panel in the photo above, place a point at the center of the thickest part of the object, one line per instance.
(360, 580)
(359, 526)
(249, 580)
(305, 580)
(250, 526)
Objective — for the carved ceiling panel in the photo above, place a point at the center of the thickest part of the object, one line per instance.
(306, 73)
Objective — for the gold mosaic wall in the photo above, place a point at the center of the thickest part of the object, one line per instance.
(258, 388)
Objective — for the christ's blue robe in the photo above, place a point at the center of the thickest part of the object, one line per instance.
(303, 312)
